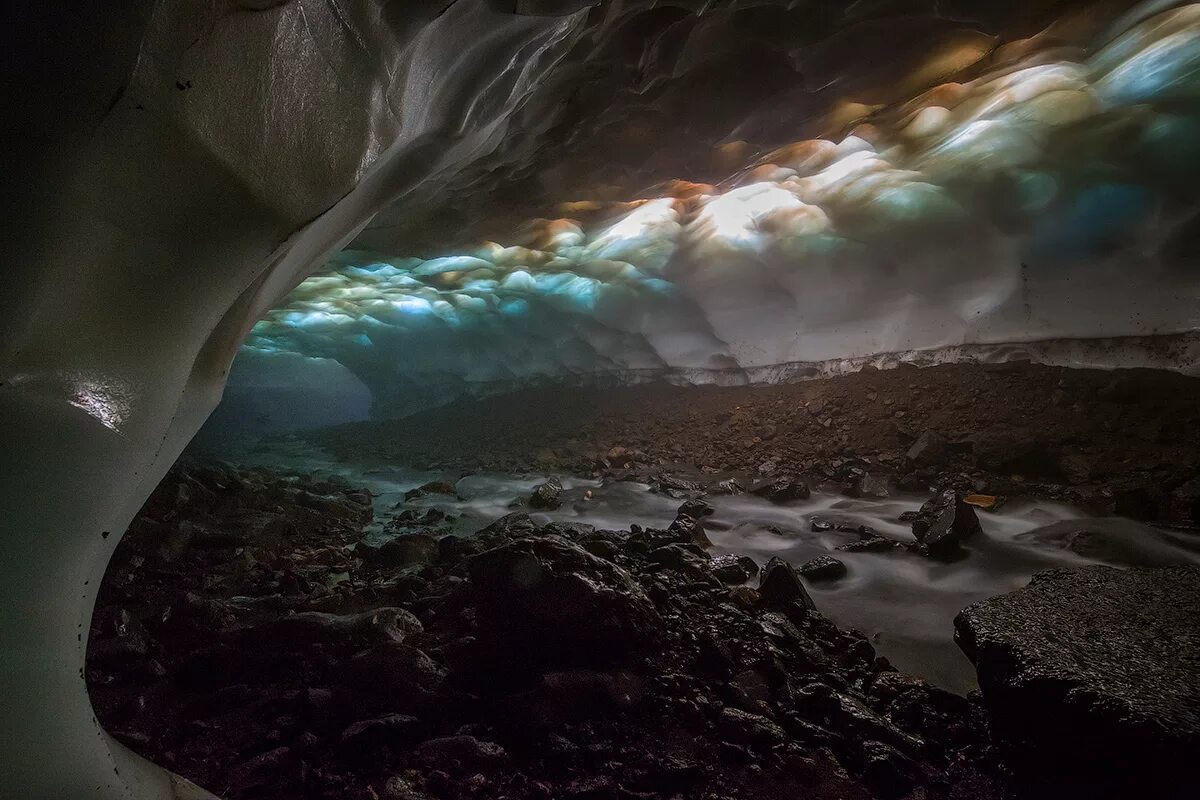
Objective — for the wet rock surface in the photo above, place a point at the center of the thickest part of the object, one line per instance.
(943, 523)
(529, 660)
(1092, 678)
(822, 568)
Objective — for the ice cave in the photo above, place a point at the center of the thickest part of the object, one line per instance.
(601, 400)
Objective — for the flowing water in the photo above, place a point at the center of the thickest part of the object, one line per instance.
(904, 603)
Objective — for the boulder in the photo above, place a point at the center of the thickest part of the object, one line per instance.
(547, 495)
(432, 487)
(822, 568)
(727, 486)
(1091, 675)
(782, 490)
(943, 523)
(696, 509)
(405, 550)
(734, 570)
(689, 529)
(779, 584)
(681, 557)
(547, 600)
(678, 488)
(511, 525)
(405, 676)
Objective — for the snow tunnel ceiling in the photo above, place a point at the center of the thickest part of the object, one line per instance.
(707, 188)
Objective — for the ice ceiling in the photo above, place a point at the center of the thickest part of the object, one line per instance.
(1047, 190)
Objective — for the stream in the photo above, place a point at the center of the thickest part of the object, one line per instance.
(903, 602)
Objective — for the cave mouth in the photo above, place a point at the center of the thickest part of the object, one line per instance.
(631, 400)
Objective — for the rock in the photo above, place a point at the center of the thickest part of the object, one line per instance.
(733, 570)
(728, 486)
(678, 556)
(943, 523)
(391, 729)
(433, 487)
(462, 755)
(406, 676)
(782, 490)
(404, 550)
(509, 526)
(399, 787)
(386, 624)
(741, 727)
(820, 524)
(1183, 504)
(547, 495)
(689, 529)
(417, 517)
(779, 584)
(261, 770)
(1092, 674)
(822, 568)
(696, 509)
(929, 450)
(867, 485)
(1075, 467)
(678, 488)
(545, 599)
(872, 544)
(123, 639)
(888, 772)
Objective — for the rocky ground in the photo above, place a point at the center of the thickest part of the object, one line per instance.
(1124, 441)
(248, 637)
(244, 640)
(279, 636)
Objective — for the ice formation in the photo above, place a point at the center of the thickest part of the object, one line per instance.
(980, 212)
(179, 168)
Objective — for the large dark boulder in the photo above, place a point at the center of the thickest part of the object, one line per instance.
(547, 495)
(779, 584)
(1093, 677)
(944, 522)
(549, 601)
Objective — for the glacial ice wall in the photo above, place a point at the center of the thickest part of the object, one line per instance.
(1049, 196)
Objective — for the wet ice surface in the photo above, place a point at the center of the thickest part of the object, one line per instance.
(905, 603)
